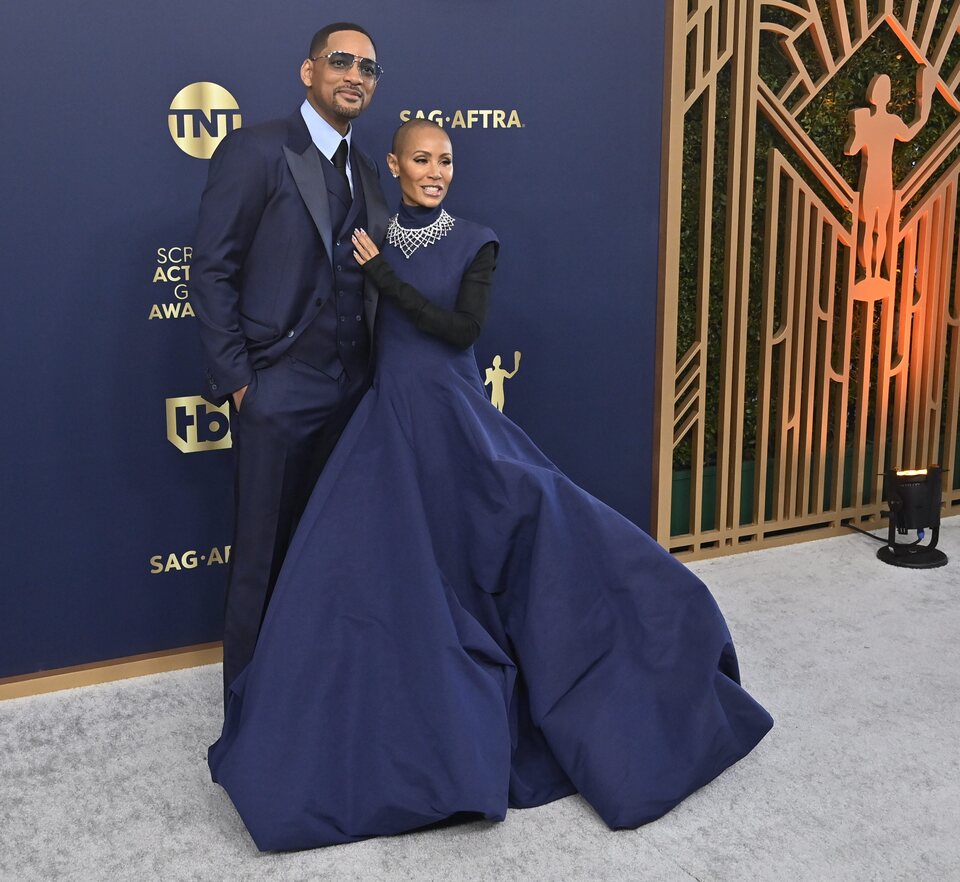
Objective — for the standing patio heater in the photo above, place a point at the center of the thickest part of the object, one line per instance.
(914, 498)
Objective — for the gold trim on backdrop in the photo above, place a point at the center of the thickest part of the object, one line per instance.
(808, 326)
(108, 671)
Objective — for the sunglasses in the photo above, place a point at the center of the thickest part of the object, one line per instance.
(343, 61)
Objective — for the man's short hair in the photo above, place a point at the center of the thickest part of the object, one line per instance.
(320, 38)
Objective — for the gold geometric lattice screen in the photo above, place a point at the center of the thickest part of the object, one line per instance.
(809, 320)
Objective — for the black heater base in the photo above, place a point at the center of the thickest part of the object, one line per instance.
(916, 557)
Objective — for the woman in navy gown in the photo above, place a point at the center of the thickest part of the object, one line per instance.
(458, 628)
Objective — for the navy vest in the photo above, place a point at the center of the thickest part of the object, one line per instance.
(337, 338)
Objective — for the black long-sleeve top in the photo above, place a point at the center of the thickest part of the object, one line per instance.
(459, 326)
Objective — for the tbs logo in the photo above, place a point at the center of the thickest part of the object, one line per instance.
(201, 115)
(195, 425)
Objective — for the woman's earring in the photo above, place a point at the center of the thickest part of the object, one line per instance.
(395, 174)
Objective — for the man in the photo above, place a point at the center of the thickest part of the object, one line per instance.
(286, 318)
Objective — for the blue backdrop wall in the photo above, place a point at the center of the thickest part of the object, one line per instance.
(114, 537)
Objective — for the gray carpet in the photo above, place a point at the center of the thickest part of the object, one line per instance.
(859, 780)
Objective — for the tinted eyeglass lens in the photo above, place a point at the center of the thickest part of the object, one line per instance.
(341, 61)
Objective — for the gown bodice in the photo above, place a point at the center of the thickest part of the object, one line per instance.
(435, 271)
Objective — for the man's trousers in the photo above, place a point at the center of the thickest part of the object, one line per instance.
(289, 421)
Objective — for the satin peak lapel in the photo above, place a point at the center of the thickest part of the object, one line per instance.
(308, 174)
(377, 223)
(376, 205)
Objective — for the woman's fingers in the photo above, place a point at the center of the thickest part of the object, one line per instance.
(359, 253)
(364, 246)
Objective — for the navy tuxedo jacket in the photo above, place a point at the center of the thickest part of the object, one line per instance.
(261, 268)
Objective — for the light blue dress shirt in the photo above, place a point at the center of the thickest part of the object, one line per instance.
(326, 137)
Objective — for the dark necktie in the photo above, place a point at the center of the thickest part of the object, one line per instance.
(340, 162)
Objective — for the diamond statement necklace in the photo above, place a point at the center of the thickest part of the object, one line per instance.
(409, 241)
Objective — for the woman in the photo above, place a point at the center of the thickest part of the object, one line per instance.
(458, 628)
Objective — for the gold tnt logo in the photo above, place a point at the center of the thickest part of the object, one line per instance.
(201, 116)
(195, 425)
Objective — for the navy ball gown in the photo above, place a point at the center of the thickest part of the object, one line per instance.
(458, 628)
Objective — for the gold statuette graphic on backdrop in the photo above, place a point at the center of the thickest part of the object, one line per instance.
(496, 376)
(194, 425)
(809, 325)
(201, 115)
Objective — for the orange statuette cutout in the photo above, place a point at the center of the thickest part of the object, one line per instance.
(874, 131)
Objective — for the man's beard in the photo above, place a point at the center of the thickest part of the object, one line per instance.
(347, 112)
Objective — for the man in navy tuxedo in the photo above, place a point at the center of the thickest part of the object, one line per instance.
(286, 317)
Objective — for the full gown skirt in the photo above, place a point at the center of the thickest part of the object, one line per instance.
(459, 628)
